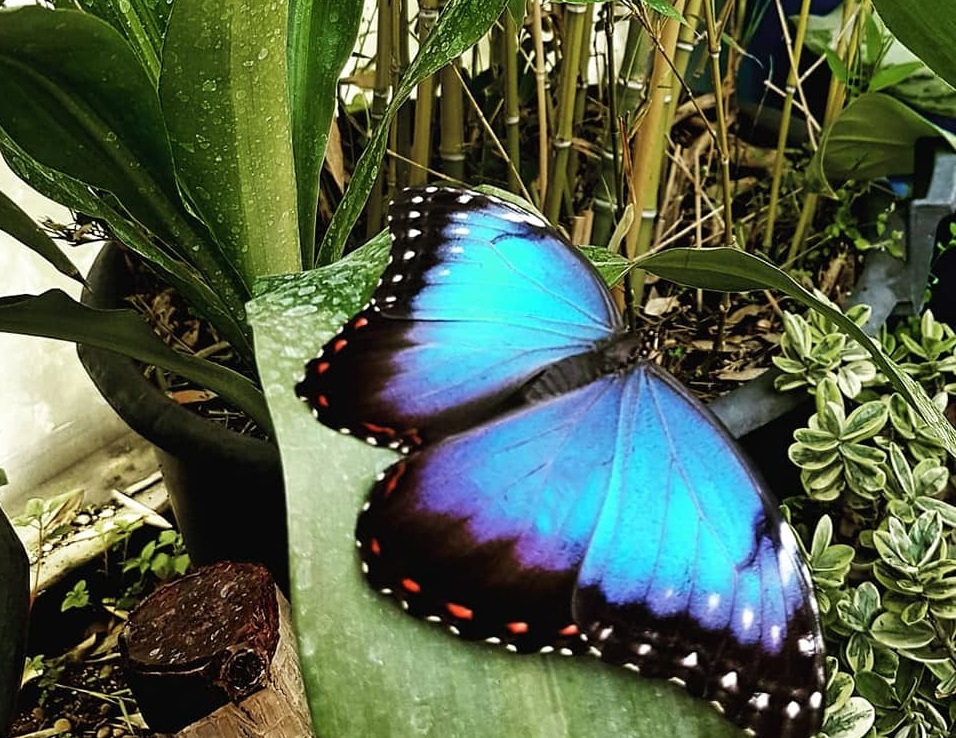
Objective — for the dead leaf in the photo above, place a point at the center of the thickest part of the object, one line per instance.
(743, 375)
(658, 306)
(190, 396)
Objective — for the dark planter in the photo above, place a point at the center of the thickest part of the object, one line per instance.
(762, 419)
(226, 489)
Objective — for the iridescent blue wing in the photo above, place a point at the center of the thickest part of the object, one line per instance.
(479, 295)
(617, 518)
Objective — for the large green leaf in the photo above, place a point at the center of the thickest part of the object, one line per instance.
(54, 314)
(224, 92)
(76, 100)
(928, 28)
(459, 27)
(21, 226)
(733, 270)
(873, 137)
(142, 23)
(370, 669)
(15, 606)
(321, 37)
(184, 278)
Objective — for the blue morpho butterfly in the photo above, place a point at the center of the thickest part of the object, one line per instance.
(558, 492)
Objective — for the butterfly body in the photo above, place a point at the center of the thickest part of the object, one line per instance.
(559, 492)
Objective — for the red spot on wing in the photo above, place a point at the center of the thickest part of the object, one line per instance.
(412, 586)
(322, 401)
(339, 345)
(517, 628)
(459, 611)
(375, 547)
(391, 481)
(382, 430)
(360, 322)
(570, 630)
(321, 367)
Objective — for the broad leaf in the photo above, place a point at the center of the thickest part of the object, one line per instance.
(76, 100)
(873, 137)
(321, 37)
(459, 27)
(733, 270)
(189, 283)
(56, 315)
(928, 28)
(142, 23)
(370, 669)
(21, 226)
(15, 606)
(225, 99)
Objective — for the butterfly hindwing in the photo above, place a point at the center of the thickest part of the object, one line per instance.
(620, 508)
(478, 296)
(692, 575)
(494, 522)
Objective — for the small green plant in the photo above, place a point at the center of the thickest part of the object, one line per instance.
(887, 587)
(76, 598)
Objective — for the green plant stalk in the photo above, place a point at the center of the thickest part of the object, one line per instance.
(647, 155)
(576, 21)
(846, 50)
(785, 124)
(401, 132)
(541, 78)
(383, 79)
(424, 105)
(512, 111)
(723, 147)
(581, 98)
(626, 94)
(686, 43)
(452, 146)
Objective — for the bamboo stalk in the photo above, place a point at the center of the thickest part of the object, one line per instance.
(847, 45)
(541, 77)
(425, 104)
(625, 95)
(581, 96)
(512, 114)
(648, 149)
(723, 147)
(452, 146)
(576, 19)
(785, 123)
(380, 97)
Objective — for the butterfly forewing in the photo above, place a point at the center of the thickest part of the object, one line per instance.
(478, 296)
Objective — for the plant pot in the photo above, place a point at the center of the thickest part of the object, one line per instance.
(226, 489)
(762, 418)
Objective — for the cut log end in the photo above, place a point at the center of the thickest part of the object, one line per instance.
(215, 649)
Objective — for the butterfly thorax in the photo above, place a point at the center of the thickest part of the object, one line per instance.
(614, 355)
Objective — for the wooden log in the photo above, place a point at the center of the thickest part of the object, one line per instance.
(212, 655)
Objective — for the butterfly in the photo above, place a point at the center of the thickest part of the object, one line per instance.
(556, 490)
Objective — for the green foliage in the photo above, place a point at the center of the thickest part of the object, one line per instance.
(887, 587)
(76, 598)
(173, 124)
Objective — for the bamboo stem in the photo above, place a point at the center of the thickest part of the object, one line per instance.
(380, 97)
(785, 123)
(648, 149)
(541, 77)
(723, 147)
(576, 19)
(625, 96)
(512, 114)
(425, 104)
(452, 146)
(847, 45)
